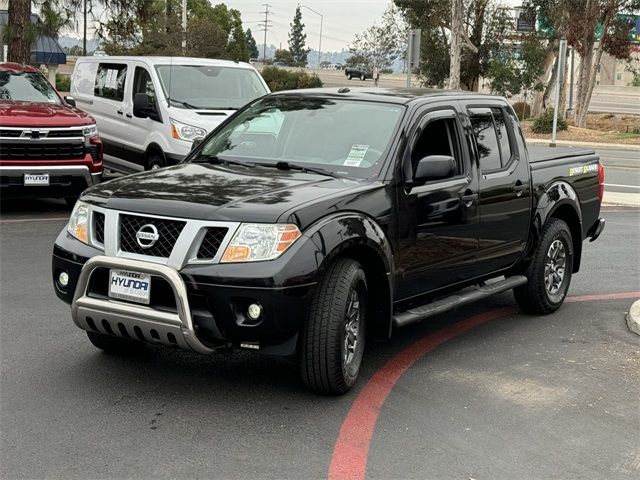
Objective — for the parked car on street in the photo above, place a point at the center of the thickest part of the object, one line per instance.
(48, 148)
(360, 72)
(312, 220)
(150, 109)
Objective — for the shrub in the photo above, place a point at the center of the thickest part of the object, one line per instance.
(281, 79)
(544, 123)
(63, 82)
(522, 109)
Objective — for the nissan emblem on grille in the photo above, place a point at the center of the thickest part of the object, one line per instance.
(147, 236)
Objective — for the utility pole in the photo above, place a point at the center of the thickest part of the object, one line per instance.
(184, 27)
(321, 20)
(266, 25)
(84, 36)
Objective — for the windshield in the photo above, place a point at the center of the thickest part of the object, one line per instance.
(341, 136)
(26, 87)
(209, 87)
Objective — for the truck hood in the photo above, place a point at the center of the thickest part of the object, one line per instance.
(207, 119)
(35, 114)
(217, 192)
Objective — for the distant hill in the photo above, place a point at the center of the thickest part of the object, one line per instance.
(92, 43)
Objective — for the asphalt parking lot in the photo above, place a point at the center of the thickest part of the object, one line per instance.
(484, 392)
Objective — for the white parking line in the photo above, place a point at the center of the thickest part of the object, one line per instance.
(617, 185)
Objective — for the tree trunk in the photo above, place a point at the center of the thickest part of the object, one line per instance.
(584, 76)
(551, 86)
(581, 120)
(537, 106)
(19, 24)
(456, 44)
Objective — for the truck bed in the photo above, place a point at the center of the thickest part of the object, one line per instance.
(543, 153)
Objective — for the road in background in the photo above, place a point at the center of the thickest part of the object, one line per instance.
(622, 169)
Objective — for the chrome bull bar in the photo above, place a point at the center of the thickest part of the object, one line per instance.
(114, 317)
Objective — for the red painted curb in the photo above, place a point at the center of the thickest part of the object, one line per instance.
(349, 460)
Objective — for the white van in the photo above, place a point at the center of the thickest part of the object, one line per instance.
(150, 109)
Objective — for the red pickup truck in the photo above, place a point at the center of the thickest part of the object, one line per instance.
(48, 148)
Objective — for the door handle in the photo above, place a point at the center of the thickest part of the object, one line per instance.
(468, 198)
(519, 187)
(119, 112)
(128, 115)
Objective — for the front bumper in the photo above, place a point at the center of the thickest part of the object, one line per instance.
(187, 313)
(64, 180)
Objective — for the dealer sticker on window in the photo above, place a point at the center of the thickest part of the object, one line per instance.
(131, 286)
(356, 155)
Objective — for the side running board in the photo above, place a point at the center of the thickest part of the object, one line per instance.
(465, 297)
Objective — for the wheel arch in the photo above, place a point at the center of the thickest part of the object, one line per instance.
(153, 148)
(561, 201)
(359, 237)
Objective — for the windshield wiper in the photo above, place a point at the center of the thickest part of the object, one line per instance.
(215, 160)
(186, 104)
(302, 168)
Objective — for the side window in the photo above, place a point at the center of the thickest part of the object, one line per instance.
(487, 141)
(503, 135)
(142, 83)
(439, 137)
(110, 79)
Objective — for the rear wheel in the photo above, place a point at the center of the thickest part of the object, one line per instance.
(333, 339)
(549, 272)
(349, 76)
(362, 77)
(112, 344)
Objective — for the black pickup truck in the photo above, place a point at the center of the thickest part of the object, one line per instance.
(360, 72)
(292, 229)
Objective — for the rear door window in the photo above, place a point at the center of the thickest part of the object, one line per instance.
(487, 141)
(110, 81)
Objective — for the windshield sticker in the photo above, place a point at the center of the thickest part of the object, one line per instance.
(356, 155)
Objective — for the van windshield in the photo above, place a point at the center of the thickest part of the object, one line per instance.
(26, 87)
(209, 87)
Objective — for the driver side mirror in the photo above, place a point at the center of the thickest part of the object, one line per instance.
(70, 101)
(141, 105)
(434, 167)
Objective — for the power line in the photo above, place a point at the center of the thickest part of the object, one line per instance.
(265, 25)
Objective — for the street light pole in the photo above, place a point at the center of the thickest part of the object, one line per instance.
(321, 21)
(184, 27)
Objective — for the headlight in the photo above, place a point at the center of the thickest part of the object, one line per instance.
(78, 225)
(182, 131)
(90, 131)
(260, 241)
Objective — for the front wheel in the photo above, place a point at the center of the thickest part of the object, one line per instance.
(363, 78)
(155, 162)
(333, 339)
(549, 272)
(349, 76)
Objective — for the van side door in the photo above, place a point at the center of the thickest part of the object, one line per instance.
(437, 220)
(504, 184)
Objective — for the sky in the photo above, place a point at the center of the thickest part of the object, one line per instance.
(342, 19)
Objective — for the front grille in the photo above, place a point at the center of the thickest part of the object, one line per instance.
(211, 242)
(98, 225)
(65, 134)
(41, 151)
(168, 233)
(10, 133)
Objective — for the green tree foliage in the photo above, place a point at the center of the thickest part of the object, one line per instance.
(297, 39)
(282, 55)
(252, 47)
(485, 27)
(282, 79)
(380, 45)
(154, 27)
(511, 74)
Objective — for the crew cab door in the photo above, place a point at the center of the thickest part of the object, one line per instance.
(437, 220)
(505, 186)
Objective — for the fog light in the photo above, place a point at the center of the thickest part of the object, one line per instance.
(63, 279)
(254, 312)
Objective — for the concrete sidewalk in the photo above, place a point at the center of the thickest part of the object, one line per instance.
(568, 143)
(619, 199)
